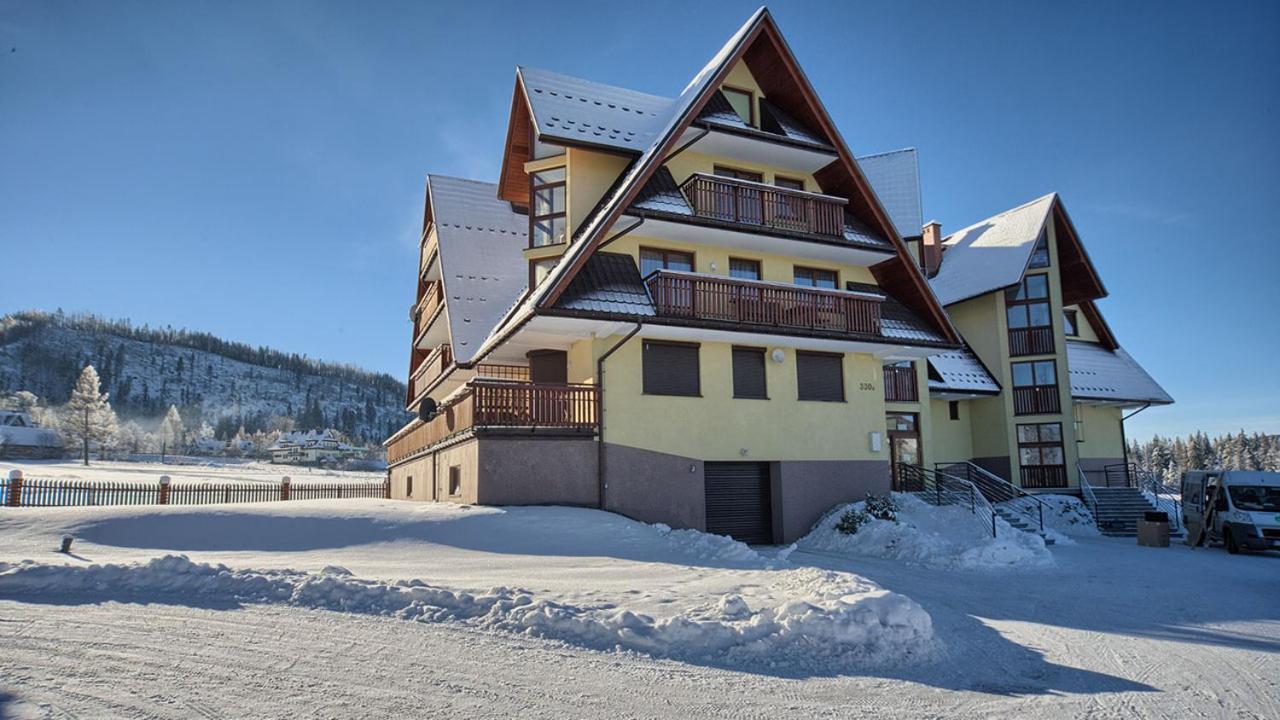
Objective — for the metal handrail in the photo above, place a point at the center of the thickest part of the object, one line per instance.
(937, 488)
(1086, 491)
(994, 487)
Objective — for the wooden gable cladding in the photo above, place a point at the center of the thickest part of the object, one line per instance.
(1080, 281)
(513, 181)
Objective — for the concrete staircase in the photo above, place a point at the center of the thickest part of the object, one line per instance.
(1020, 522)
(1119, 509)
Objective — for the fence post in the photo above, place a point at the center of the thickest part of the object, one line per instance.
(284, 487)
(15, 488)
(163, 498)
(386, 487)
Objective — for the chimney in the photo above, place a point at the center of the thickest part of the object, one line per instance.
(931, 248)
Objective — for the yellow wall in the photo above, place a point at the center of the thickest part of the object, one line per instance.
(1085, 330)
(777, 268)
(716, 426)
(1100, 431)
(952, 439)
(689, 162)
(590, 175)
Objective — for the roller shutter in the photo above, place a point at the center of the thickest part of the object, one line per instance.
(739, 501)
(670, 368)
(820, 376)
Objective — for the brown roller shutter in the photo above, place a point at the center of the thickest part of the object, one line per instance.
(820, 376)
(748, 373)
(739, 501)
(670, 369)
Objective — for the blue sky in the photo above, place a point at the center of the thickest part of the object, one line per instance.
(256, 169)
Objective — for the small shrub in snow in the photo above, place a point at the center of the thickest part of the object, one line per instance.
(851, 521)
(882, 507)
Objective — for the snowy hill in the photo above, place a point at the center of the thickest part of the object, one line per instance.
(210, 379)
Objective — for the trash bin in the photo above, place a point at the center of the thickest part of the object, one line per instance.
(1153, 529)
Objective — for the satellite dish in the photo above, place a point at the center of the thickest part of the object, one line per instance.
(427, 409)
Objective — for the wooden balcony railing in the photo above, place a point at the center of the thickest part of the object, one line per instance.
(431, 301)
(486, 403)
(1036, 400)
(900, 384)
(1030, 341)
(432, 367)
(429, 245)
(744, 202)
(721, 299)
(495, 371)
(1043, 476)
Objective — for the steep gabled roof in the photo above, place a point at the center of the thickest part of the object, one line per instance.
(895, 177)
(482, 265)
(1110, 376)
(762, 46)
(960, 371)
(572, 110)
(994, 253)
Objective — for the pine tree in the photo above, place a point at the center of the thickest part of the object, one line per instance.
(170, 431)
(87, 416)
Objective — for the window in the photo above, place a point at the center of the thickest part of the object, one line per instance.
(1027, 310)
(953, 409)
(408, 486)
(902, 423)
(1035, 387)
(1069, 325)
(670, 369)
(548, 224)
(744, 269)
(789, 183)
(540, 269)
(748, 373)
(816, 277)
(652, 259)
(1040, 455)
(737, 174)
(742, 103)
(1040, 255)
(820, 376)
(455, 479)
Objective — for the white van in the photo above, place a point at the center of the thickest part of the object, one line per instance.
(1247, 516)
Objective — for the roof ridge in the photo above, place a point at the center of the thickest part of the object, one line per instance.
(886, 152)
(521, 68)
(1002, 213)
(442, 176)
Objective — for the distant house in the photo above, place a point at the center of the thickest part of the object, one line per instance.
(20, 437)
(310, 447)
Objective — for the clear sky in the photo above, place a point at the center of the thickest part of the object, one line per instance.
(256, 169)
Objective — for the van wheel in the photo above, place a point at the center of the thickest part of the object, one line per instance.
(1230, 539)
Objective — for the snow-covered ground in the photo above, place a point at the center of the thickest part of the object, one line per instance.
(522, 611)
(951, 536)
(184, 470)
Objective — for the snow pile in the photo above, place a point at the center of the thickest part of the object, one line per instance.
(1067, 515)
(833, 619)
(940, 537)
(707, 547)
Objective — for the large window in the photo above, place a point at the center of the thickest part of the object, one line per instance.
(1040, 455)
(1040, 255)
(820, 376)
(654, 259)
(816, 277)
(742, 103)
(1027, 310)
(748, 373)
(670, 369)
(744, 269)
(1070, 323)
(1035, 387)
(548, 224)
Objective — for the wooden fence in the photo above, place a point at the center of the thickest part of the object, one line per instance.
(19, 491)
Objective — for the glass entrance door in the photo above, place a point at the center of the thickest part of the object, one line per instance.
(904, 445)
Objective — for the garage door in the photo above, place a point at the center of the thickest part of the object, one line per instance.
(738, 501)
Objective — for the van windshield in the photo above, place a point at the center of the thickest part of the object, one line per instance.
(1255, 498)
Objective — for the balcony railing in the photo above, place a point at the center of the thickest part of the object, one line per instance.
(486, 403)
(1030, 341)
(432, 367)
(900, 384)
(1044, 476)
(716, 298)
(1036, 400)
(429, 245)
(743, 202)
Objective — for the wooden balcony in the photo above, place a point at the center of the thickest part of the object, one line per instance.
(900, 384)
(437, 363)
(1030, 341)
(742, 202)
(429, 246)
(425, 311)
(1043, 476)
(1036, 400)
(496, 404)
(714, 298)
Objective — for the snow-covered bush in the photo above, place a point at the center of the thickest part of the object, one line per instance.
(882, 507)
(851, 520)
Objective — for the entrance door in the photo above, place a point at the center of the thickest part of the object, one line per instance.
(739, 501)
(904, 444)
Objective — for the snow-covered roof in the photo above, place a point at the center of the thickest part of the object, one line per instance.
(990, 254)
(29, 436)
(960, 371)
(1101, 374)
(895, 178)
(481, 240)
(569, 108)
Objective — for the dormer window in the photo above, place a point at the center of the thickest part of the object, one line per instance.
(1040, 255)
(548, 224)
(743, 103)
